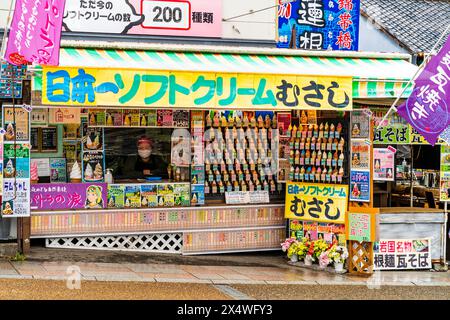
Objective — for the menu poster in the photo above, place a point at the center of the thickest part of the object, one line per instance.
(284, 121)
(116, 196)
(181, 118)
(39, 117)
(312, 116)
(360, 186)
(49, 139)
(198, 194)
(97, 118)
(43, 166)
(360, 154)
(149, 196)
(17, 129)
(444, 192)
(165, 118)
(92, 138)
(114, 117)
(16, 198)
(132, 196)
(147, 118)
(70, 151)
(58, 171)
(360, 125)
(165, 189)
(71, 131)
(198, 175)
(359, 225)
(93, 164)
(383, 164)
(181, 194)
(64, 115)
(131, 118)
(16, 161)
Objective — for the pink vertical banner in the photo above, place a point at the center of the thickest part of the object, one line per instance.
(35, 32)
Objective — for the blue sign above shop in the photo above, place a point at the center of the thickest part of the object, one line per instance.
(319, 25)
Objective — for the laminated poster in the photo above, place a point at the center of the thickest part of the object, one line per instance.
(97, 118)
(16, 164)
(93, 166)
(360, 186)
(360, 157)
(181, 118)
(131, 118)
(165, 118)
(58, 170)
(114, 117)
(116, 196)
(132, 196)
(360, 125)
(92, 138)
(198, 194)
(18, 130)
(383, 164)
(149, 198)
(16, 198)
(444, 192)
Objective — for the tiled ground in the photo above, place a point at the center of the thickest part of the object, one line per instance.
(213, 274)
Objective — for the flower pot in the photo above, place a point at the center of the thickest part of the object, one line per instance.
(308, 261)
(339, 266)
(294, 258)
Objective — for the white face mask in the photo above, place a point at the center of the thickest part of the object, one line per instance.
(144, 153)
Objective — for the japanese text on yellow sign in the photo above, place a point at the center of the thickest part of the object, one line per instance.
(316, 202)
(111, 87)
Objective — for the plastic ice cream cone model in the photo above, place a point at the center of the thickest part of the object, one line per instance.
(88, 173)
(75, 173)
(245, 121)
(238, 122)
(34, 173)
(98, 172)
(9, 171)
(9, 135)
(267, 121)
(253, 122)
(321, 130)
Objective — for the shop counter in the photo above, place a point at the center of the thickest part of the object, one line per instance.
(415, 223)
(204, 229)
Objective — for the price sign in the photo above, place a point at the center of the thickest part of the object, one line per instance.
(166, 15)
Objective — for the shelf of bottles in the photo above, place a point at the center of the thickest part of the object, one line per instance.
(241, 154)
(317, 153)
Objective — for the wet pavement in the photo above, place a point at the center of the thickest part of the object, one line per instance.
(112, 275)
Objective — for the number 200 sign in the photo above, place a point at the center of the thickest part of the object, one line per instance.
(166, 14)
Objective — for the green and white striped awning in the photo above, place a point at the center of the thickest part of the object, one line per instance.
(372, 77)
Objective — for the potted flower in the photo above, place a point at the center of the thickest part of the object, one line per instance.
(302, 249)
(320, 246)
(324, 259)
(309, 257)
(338, 255)
(290, 246)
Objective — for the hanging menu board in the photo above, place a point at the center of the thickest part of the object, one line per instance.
(49, 139)
(34, 139)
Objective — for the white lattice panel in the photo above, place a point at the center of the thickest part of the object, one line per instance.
(170, 243)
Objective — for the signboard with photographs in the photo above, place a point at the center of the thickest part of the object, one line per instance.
(402, 254)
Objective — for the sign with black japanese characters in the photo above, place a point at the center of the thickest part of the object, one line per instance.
(316, 202)
(402, 254)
